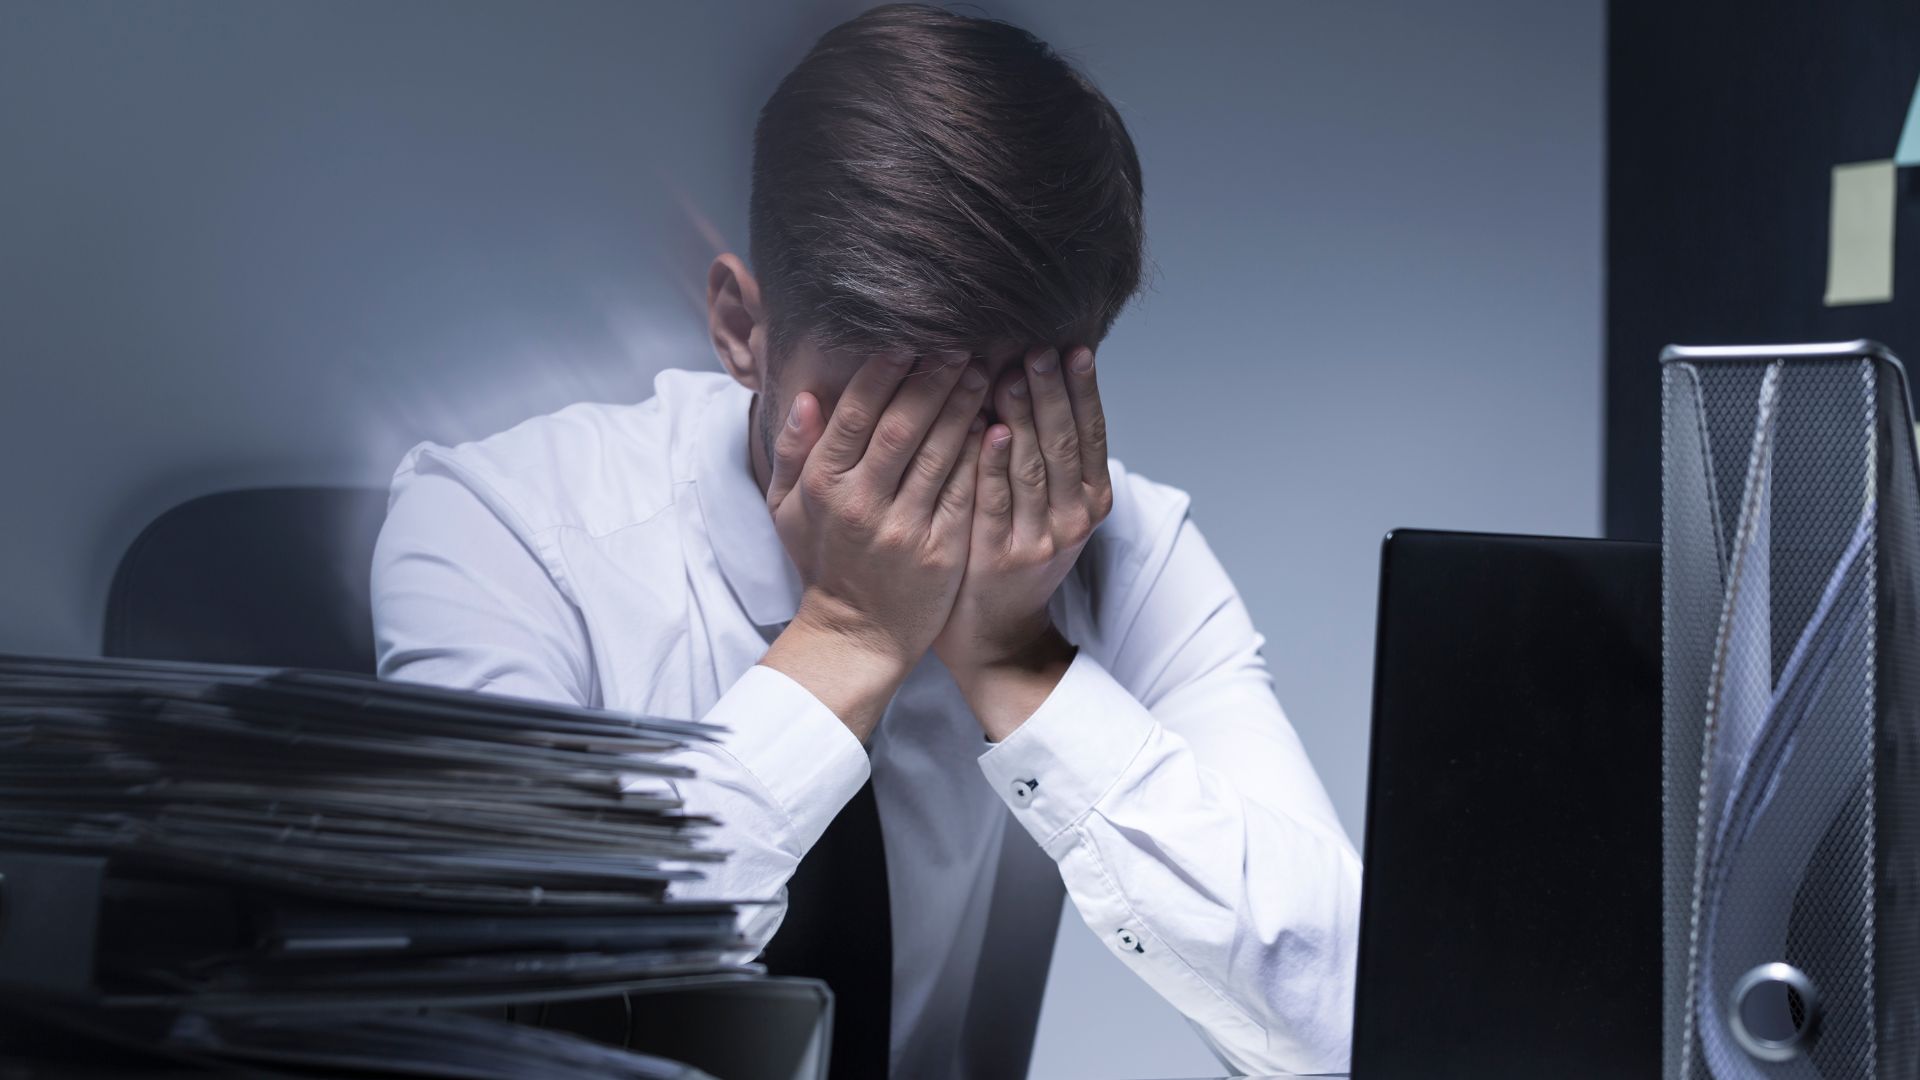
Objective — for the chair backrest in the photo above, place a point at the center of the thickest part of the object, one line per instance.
(268, 576)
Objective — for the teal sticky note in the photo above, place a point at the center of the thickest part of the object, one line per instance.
(1909, 151)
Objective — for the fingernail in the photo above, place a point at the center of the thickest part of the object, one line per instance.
(1082, 361)
(1046, 362)
(978, 423)
(974, 378)
(1002, 438)
(793, 414)
(1019, 388)
(899, 356)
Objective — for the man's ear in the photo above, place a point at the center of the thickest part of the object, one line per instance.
(737, 321)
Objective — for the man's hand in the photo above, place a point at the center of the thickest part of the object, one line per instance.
(873, 508)
(1043, 487)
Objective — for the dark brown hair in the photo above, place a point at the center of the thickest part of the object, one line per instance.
(931, 180)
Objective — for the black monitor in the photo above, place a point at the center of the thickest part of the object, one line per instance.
(1510, 918)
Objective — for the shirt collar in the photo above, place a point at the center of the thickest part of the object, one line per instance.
(745, 544)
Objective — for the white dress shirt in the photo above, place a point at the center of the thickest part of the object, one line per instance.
(622, 556)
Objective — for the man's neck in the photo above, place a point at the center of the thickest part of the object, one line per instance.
(757, 447)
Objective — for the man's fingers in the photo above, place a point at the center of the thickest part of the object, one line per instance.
(926, 475)
(798, 434)
(903, 427)
(958, 496)
(859, 409)
(1053, 423)
(993, 495)
(1090, 418)
(1026, 469)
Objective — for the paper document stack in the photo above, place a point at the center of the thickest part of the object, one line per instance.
(284, 854)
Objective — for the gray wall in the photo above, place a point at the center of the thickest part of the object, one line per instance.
(265, 243)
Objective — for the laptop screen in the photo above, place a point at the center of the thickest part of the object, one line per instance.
(1510, 922)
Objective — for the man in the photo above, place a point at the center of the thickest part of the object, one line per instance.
(894, 530)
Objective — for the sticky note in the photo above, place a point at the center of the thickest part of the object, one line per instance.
(1860, 234)
(1909, 151)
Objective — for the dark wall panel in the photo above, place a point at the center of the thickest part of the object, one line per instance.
(1724, 120)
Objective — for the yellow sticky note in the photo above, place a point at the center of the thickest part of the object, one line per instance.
(1860, 234)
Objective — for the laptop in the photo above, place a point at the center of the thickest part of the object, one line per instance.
(1510, 915)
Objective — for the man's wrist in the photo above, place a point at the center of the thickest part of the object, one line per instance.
(852, 673)
(1003, 693)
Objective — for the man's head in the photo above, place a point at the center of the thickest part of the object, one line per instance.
(931, 182)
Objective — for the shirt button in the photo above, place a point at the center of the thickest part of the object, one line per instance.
(1130, 941)
(1023, 790)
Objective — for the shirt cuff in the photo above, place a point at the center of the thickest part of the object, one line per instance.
(798, 751)
(1071, 751)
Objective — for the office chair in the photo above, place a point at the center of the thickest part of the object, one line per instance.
(274, 577)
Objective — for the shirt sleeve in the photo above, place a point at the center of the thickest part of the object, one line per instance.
(1191, 831)
(461, 599)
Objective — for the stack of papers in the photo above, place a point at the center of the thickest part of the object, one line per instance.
(284, 843)
(441, 1045)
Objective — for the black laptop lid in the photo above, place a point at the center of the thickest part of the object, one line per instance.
(1510, 922)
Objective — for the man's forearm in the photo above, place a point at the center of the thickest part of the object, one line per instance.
(849, 675)
(1003, 695)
